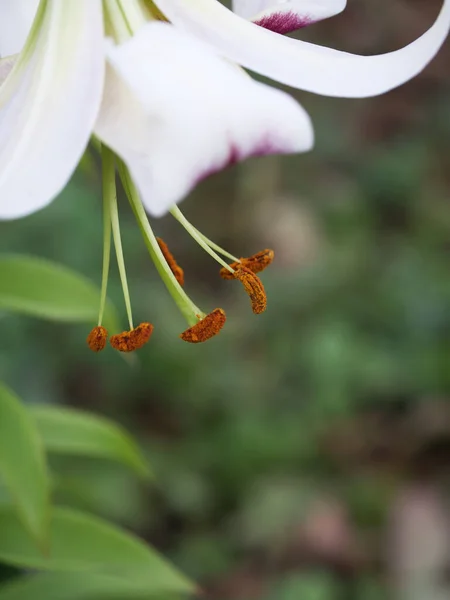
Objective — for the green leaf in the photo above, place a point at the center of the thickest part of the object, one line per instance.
(44, 289)
(70, 431)
(70, 586)
(80, 542)
(22, 465)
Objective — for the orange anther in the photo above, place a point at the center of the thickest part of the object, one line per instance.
(174, 266)
(96, 340)
(256, 263)
(254, 288)
(206, 328)
(127, 341)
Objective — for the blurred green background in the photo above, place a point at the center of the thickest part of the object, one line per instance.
(303, 453)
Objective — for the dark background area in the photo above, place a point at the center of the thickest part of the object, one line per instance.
(304, 453)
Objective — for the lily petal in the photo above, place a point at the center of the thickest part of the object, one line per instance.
(16, 17)
(284, 16)
(177, 120)
(301, 64)
(6, 65)
(49, 103)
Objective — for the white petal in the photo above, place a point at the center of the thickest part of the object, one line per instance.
(48, 105)
(16, 17)
(300, 64)
(176, 113)
(6, 65)
(283, 16)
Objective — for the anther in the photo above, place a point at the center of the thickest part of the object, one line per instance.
(256, 263)
(127, 341)
(206, 328)
(254, 288)
(96, 340)
(174, 266)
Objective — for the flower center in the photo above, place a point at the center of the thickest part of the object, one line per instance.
(202, 326)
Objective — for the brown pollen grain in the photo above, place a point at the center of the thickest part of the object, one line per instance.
(254, 288)
(173, 265)
(256, 263)
(206, 328)
(96, 340)
(128, 341)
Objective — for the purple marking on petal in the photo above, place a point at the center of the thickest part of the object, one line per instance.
(235, 155)
(283, 22)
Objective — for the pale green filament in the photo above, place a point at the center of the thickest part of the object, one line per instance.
(134, 14)
(115, 21)
(123, 19)
(215, 246)
(110, 194)
(190, 311)
(106, 185)
(175, 212)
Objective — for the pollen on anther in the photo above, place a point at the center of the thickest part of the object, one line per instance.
(173, 265)
(256, 263)
(96, 340)
(254, 288)
(128, 341)
(206, 328)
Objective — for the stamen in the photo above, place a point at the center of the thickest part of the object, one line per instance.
(116, 24)
(206, 328)
(254, 288)
(215, 246)
(189, 310)
(96, 340)
(176, 212)
(256, 263)
(174, 266)
(107, 177)
(111, 195)
(128, 341)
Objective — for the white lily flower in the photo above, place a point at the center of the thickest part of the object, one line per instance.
(167, 99)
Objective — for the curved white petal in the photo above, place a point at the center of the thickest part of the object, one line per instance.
(284, 16)
(16, 17)
(48, 105)
(175, 113)
(300, 64)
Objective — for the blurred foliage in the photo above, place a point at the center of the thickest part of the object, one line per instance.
(281, 447)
